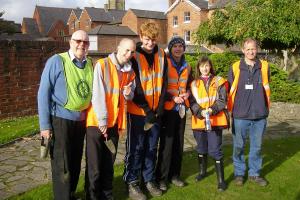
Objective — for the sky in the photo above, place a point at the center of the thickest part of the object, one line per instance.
(15, 10)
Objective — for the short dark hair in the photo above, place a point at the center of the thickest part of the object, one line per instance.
(203, 61)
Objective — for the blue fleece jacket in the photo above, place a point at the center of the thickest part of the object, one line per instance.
(52, 93)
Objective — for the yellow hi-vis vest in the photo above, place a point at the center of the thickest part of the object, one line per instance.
(176, 84)
(206, 100)
(115, 101)
(151, 81)
(236, 73)
(78, 83)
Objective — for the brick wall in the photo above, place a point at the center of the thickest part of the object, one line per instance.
(109, 43)
(22, 63)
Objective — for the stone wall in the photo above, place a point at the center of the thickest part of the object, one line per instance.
(21, 65)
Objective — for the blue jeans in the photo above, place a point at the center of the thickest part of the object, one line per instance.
(141, 150)
(255, 129)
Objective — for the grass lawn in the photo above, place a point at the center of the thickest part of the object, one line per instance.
(281, 168)
(11, 129)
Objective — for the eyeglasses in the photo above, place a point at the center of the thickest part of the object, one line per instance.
(85, 42)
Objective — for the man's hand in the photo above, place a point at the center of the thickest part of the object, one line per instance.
(127, 89)
(103, 129)
(178, 100)
(45, 134)
(185, 96)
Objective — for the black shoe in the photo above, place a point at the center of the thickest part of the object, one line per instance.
(202, 159)
(220, 175)
(163, 185)
(177, 182)
(135, 193)
(259, 180)
(153, 189)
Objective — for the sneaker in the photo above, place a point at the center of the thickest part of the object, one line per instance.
(153, 189)
(239, 180)
(163, 185)
(135, 193)
(177, 182)
(259, 180)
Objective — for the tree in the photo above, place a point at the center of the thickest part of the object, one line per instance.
(274, 23)
(6, 26)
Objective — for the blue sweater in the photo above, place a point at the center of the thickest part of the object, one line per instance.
(52, 94)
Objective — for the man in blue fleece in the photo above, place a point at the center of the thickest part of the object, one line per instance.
(64, 95)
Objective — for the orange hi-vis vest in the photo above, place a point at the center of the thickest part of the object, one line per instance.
(151, 81)
(206, 100)
(236, 73)
(115, 101)
(176, 84)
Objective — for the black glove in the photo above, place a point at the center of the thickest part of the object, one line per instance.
(150, 117)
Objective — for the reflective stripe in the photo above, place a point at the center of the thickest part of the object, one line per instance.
(172, 80)
(107, 76)
(267, 86)
(151, 91)
(173, 91)
(112, 90)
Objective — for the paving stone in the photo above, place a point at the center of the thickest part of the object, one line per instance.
(26, 168)
(13, 178)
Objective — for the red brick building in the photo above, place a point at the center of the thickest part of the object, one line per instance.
(134, 18)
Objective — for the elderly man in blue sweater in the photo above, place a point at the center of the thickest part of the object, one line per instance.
(64, 95)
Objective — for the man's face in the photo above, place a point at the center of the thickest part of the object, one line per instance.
(250, 50)
(177, 50)
(148, 43)
(79, 44)
(125, 51)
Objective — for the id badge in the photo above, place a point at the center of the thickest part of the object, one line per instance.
(249, 87)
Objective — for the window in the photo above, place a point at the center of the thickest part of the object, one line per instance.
(175, 21)
(187, 36)
(87, 23)
(73, 24)
(187, 17)
(60, 33)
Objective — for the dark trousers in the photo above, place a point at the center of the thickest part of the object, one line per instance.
(66, 153)
(99, 163)
(141, 150)
(170, 146)
(209, 142)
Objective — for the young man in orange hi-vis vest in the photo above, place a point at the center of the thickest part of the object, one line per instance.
(106, 118)
(144, 112)
(249, 101)
(173, 121)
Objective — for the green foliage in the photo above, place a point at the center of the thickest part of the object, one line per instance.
(6, 26)
(282, 89)
(222, 62)
(11, 129)
(281, 161)
(275, 23)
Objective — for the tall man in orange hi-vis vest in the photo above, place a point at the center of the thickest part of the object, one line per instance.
(249, 102)
(144, 112)
(106, 118)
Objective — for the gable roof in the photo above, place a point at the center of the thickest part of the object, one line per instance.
(77, 12)
(112, 30)
(49, 15)
(202, 4)
(31, 25)
(148, 14)
(102, 15)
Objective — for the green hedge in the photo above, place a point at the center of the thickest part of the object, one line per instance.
(283, 90)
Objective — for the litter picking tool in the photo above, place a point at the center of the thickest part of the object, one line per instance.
(110, 145)
(45, 145)
(148, 126)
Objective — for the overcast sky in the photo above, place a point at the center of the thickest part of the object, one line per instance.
(17, 9)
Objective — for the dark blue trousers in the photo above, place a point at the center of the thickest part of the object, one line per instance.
(141, 150)
(209, 142)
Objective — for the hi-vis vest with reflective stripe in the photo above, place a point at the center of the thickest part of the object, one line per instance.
(115, 101)
(151, 81)
(206, 100)
(236, 73)
(79, 83)
(176, 84)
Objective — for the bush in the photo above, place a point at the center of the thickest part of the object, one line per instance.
(282, 89)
